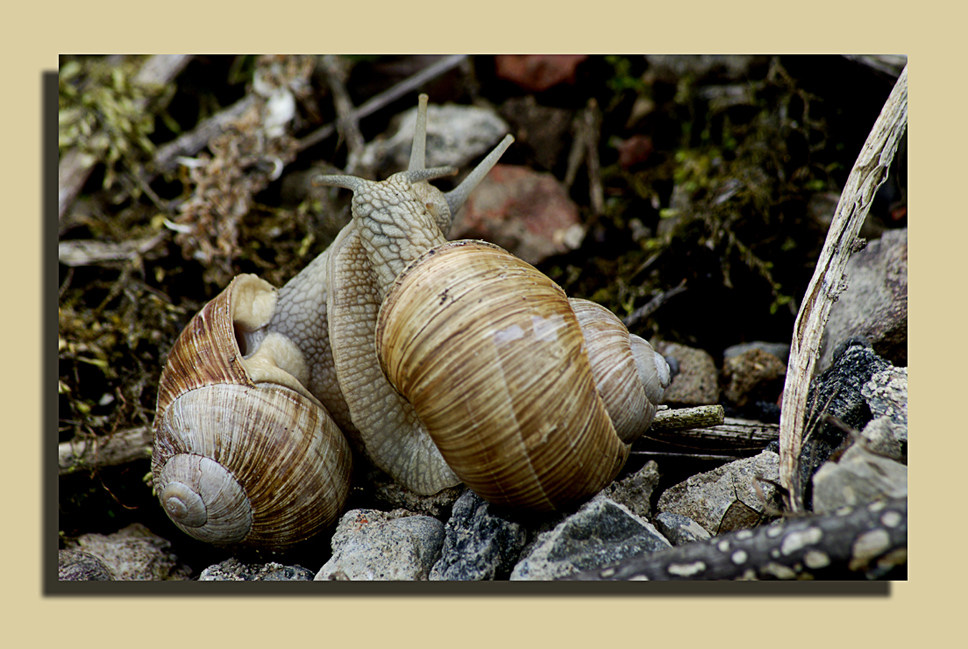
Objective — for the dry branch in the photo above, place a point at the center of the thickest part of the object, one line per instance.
(110, 450)
(386, 97)
(868, 174)
(730, 437)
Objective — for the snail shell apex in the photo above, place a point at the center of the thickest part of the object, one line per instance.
(499, 377)
(243, 454)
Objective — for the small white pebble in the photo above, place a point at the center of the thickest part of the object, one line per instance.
(739, 557)
(723, 545)
(742, 535)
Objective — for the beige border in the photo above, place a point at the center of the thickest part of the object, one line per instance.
(928, 606)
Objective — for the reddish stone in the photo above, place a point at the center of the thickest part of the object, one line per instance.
(537, 72)
(527, 213)
(634, 150)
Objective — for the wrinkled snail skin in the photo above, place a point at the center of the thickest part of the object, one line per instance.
(441, 362)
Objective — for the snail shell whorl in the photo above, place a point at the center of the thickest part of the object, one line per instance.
(509, 399)
(239, 461)
(630, 376)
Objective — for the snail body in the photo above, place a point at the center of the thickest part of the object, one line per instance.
(442, 362)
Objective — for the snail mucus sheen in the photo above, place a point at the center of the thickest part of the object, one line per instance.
(439, 361)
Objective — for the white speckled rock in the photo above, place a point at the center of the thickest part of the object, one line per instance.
(370, 545)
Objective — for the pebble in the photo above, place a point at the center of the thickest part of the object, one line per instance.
(370, 545)
(601, 532)
(733, 496)
(635, 490)
(697, 383)
(874, 305)
(837, 392)
(133, 553)
(234, 570)
(858, 478)
(478, 544)
(74, 565)
(680, 529)
(456, 135)
(754, 375)
(528, 213)
(538, 72)
(780, 350)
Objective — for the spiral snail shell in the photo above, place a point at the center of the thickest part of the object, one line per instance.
(244, 454)
(442, 362)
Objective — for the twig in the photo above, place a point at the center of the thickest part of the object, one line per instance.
(386, 97)
(75, 166)
(731, 437)
(652, 306)
(190, 143)
(347, 119)
(85, 454)
(870, 170)
(679, 418)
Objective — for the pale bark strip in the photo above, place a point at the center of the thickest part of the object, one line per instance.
(75, 166)
(868, 174)
(109, 450)
(670, 419)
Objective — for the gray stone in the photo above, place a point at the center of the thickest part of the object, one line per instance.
(837, 392)
(133, 554)
(887, 395)
(883, 436)
(734, 496)
(234, 570)
(780, 350)
(370, 545)
(455, 136)
(635, 491)
(600, 533)
(754, 375)
(478, 544)
(73, 565)
(703, 66)
(697, 383)
(680, 529)
(859, 477)
(874, 305)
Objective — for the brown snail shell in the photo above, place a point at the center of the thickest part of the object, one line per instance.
(491, 355)
(244, 455)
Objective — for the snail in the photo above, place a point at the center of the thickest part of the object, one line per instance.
(440, 361)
